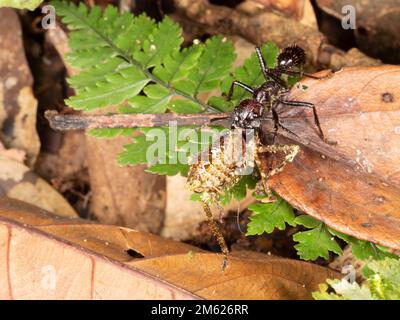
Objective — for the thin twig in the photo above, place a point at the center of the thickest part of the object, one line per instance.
(79, 122)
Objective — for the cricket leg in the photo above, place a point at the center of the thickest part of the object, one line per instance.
(221, 212)
(289, 150)
(266, 189)
(217, 234)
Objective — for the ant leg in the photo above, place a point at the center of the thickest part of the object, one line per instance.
(303, 74)
(239, 84)
(279, 124)
(260, 58)
(276, 124)
(267, 72)
(217, 234)
(307, 105)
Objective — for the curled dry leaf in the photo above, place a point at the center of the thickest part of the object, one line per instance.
(92, 261)
(351, 58)
(354, 186)
(17, 103)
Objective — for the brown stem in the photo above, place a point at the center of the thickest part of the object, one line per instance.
(78, 122)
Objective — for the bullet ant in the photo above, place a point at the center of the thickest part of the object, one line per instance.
(211, 178)
(270, 93)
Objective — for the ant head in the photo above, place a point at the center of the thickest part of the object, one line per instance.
(290, 57)
(247, 114)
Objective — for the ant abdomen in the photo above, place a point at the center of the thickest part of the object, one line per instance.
(292, 56)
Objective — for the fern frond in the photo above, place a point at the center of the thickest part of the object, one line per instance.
(138, 65)
(124, 59)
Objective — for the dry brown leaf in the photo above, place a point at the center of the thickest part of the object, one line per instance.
(91, 261)
(17, 103)
(17, 181)
(353, 186)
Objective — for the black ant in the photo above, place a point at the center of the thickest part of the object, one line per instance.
(212, 177)
(270, 93)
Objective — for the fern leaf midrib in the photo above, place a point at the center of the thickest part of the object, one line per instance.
(196, 91)
(177, 69)
(141, 68)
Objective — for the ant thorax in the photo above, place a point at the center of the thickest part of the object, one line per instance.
(268, 93)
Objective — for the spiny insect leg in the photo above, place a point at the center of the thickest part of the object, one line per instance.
(267, 189)
(221, 212)
(217, 234)
(290, 150)
(239, 84)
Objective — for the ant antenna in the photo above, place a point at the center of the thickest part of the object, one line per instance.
(219, 118)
